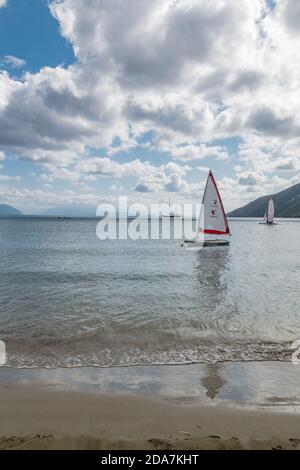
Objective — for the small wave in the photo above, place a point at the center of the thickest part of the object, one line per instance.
(259, 352)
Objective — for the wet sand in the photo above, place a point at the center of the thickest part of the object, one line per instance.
(32, 418)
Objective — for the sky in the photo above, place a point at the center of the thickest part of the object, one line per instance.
(107, 98)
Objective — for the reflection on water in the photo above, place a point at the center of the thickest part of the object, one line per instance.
(212, 284)
(212, 381)
(266, 384)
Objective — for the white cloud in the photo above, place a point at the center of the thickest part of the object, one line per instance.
(2, 3)
(204, 169)
(268, 154)
(161, 182)
(60, 174)
(250, 179)
(13, 61)
(188, 74)
(2, 156)
(287, 164)
(198, 152)
(59, 115)
(107, 167)
(173, 167)
(40, 198)
(92, 168)
(6, 178)
(124, 75)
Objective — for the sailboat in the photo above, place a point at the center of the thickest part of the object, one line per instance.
(269, 214)
(172, 214)
(213, 228)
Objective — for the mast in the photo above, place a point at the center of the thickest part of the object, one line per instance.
(221, 202)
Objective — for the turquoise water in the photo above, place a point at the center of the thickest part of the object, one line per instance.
(68, 299)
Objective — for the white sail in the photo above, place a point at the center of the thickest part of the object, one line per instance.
(271, 211)
(265, 217)
(212, 220)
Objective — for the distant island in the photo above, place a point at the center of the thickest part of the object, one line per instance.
(287, 204)
(9, 211)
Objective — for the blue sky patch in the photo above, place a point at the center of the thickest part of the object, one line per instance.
(29, 32)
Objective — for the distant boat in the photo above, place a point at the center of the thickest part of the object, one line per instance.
(213, 228)
(269, 214)
(172, 214)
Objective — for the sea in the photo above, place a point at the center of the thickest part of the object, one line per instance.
(68, 299)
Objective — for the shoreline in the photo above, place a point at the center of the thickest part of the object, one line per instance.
(248, 384)
(231, 406)
(41, 419)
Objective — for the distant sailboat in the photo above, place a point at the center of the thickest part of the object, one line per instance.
(213, 228)
(270, 212)
(172, 214)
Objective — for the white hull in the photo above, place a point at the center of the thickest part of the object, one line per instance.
(216, 243)
(200, 244)
(268, 223)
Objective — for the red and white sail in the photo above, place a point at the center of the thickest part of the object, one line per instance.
(213, 220)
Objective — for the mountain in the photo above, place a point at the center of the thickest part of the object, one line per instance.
(9, 211)
(287, 204)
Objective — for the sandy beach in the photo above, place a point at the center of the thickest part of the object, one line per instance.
(41, 419)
